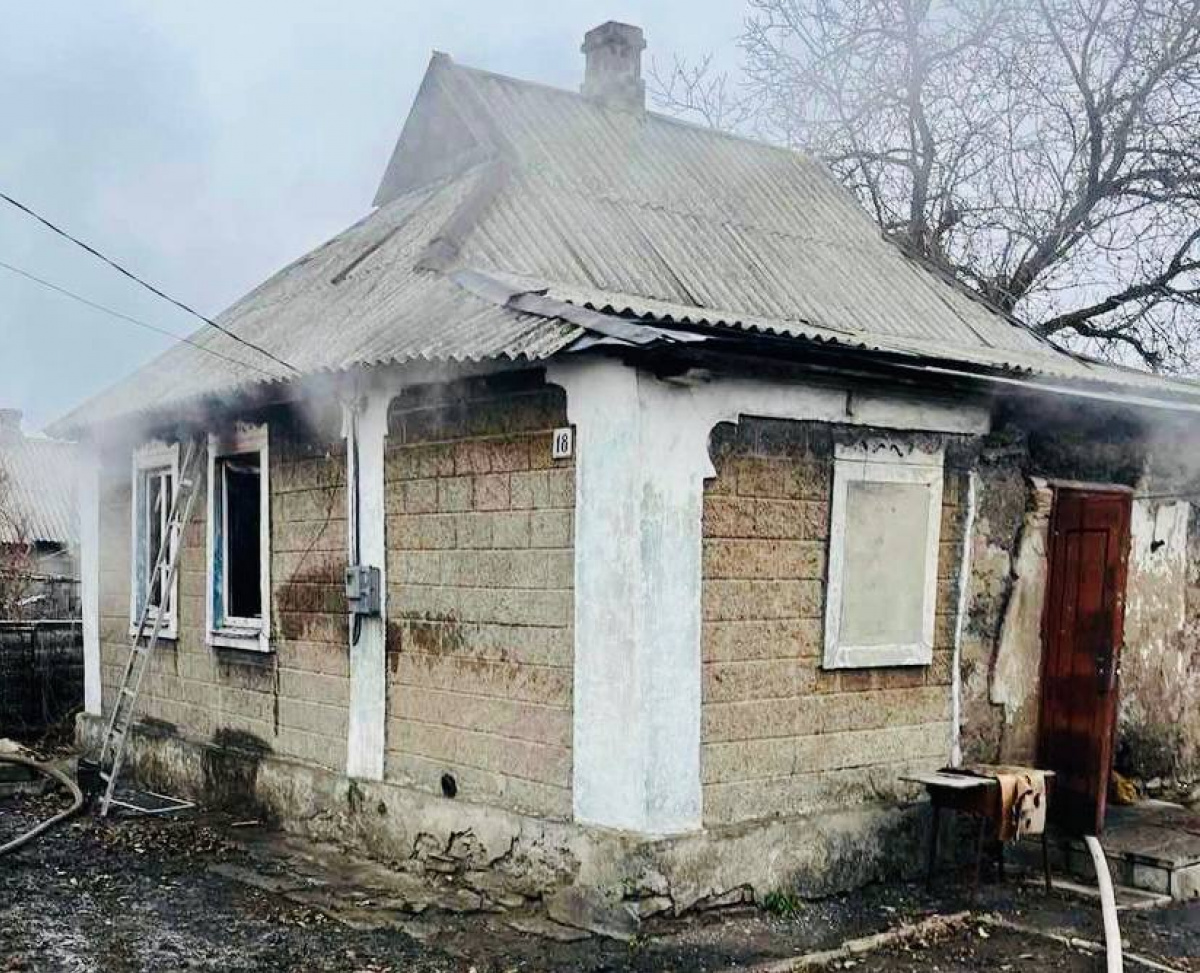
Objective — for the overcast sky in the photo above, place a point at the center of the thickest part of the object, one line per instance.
(206, 145)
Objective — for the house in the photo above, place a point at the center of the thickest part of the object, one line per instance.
(699, 514)
(41, 649)
(38, 524)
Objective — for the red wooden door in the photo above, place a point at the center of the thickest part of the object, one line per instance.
(1082, 626)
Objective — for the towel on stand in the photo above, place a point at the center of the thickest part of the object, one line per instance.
(1022, 798)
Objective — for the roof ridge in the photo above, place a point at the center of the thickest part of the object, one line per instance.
(657, 116)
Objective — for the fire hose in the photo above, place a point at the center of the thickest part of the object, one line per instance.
(1108, 906)
(56, 775)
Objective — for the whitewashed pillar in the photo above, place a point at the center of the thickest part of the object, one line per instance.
(368, 658)
(641, 462)
(639, 493)
(88, 500)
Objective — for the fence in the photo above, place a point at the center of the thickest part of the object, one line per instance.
(51, 596)
(41, 674)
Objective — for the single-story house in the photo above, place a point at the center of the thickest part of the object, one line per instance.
(699, 513)
(39, 536)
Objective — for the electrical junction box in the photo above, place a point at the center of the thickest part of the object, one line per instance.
(362, 589)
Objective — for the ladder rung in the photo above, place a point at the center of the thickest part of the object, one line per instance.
(170, 551)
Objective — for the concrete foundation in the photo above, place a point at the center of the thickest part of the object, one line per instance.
(1153, 846)
(812, 855)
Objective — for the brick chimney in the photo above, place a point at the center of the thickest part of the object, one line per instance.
(10, 424)
(613, 74)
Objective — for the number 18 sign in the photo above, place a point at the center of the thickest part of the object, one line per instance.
(563, 443)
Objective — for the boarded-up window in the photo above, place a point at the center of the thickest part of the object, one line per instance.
(884, 529)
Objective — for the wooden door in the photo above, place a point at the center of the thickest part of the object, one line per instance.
(1082, 632)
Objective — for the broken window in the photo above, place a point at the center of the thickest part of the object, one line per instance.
(240, 493)
(155, 470)
(158, 493)
(884, 530)
(238, 539)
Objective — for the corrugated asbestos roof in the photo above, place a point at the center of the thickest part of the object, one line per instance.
(356, 300)
(653, 218)
(630, 214)
(37, 491)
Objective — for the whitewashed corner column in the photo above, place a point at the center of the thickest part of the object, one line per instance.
(640, 465)
(88, 500)
(642, 458)
(368, 658)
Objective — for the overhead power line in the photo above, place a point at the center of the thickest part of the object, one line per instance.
(125, 317)
(150, 287)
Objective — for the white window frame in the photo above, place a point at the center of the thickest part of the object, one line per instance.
(879, 461)
(250, 634)
(151, 457)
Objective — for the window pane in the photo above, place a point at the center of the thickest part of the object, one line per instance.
(167, 492)
(156, 482)
(241, 481)
(883, 592)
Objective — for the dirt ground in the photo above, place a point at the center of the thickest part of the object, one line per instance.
(197, 893)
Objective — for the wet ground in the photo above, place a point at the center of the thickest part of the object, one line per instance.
(199, 893)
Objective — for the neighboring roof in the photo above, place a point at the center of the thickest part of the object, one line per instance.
(499, 187)
(37, 491)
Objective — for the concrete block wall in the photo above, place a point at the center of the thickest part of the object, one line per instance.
(780, 735)
(308, 562)
(291, 701)
(480, 603)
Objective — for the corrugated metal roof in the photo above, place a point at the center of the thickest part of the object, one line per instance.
(37, 491)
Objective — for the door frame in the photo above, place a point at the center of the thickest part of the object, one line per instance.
(1107, 742)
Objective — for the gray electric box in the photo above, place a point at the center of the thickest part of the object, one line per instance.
(362, 589)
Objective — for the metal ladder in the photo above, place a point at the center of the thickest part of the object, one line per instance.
(112, 753)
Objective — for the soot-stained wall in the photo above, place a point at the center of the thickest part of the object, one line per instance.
(291, 701)
(480, 595)
(781, 735)
(1159, 724)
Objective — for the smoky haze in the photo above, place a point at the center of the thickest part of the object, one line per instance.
(206, 145)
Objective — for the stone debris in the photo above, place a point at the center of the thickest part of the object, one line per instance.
(547, 929)
(590, 909)
(654, 905)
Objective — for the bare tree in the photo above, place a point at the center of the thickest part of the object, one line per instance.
(17, 554)
(1047, 152)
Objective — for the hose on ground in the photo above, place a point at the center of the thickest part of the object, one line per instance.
(56, 775)
(1108, 906)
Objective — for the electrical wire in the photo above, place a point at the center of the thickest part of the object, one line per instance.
(50, 285)
(356, 527)
(138, 280)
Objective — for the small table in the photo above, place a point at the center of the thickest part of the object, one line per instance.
(977, 797)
